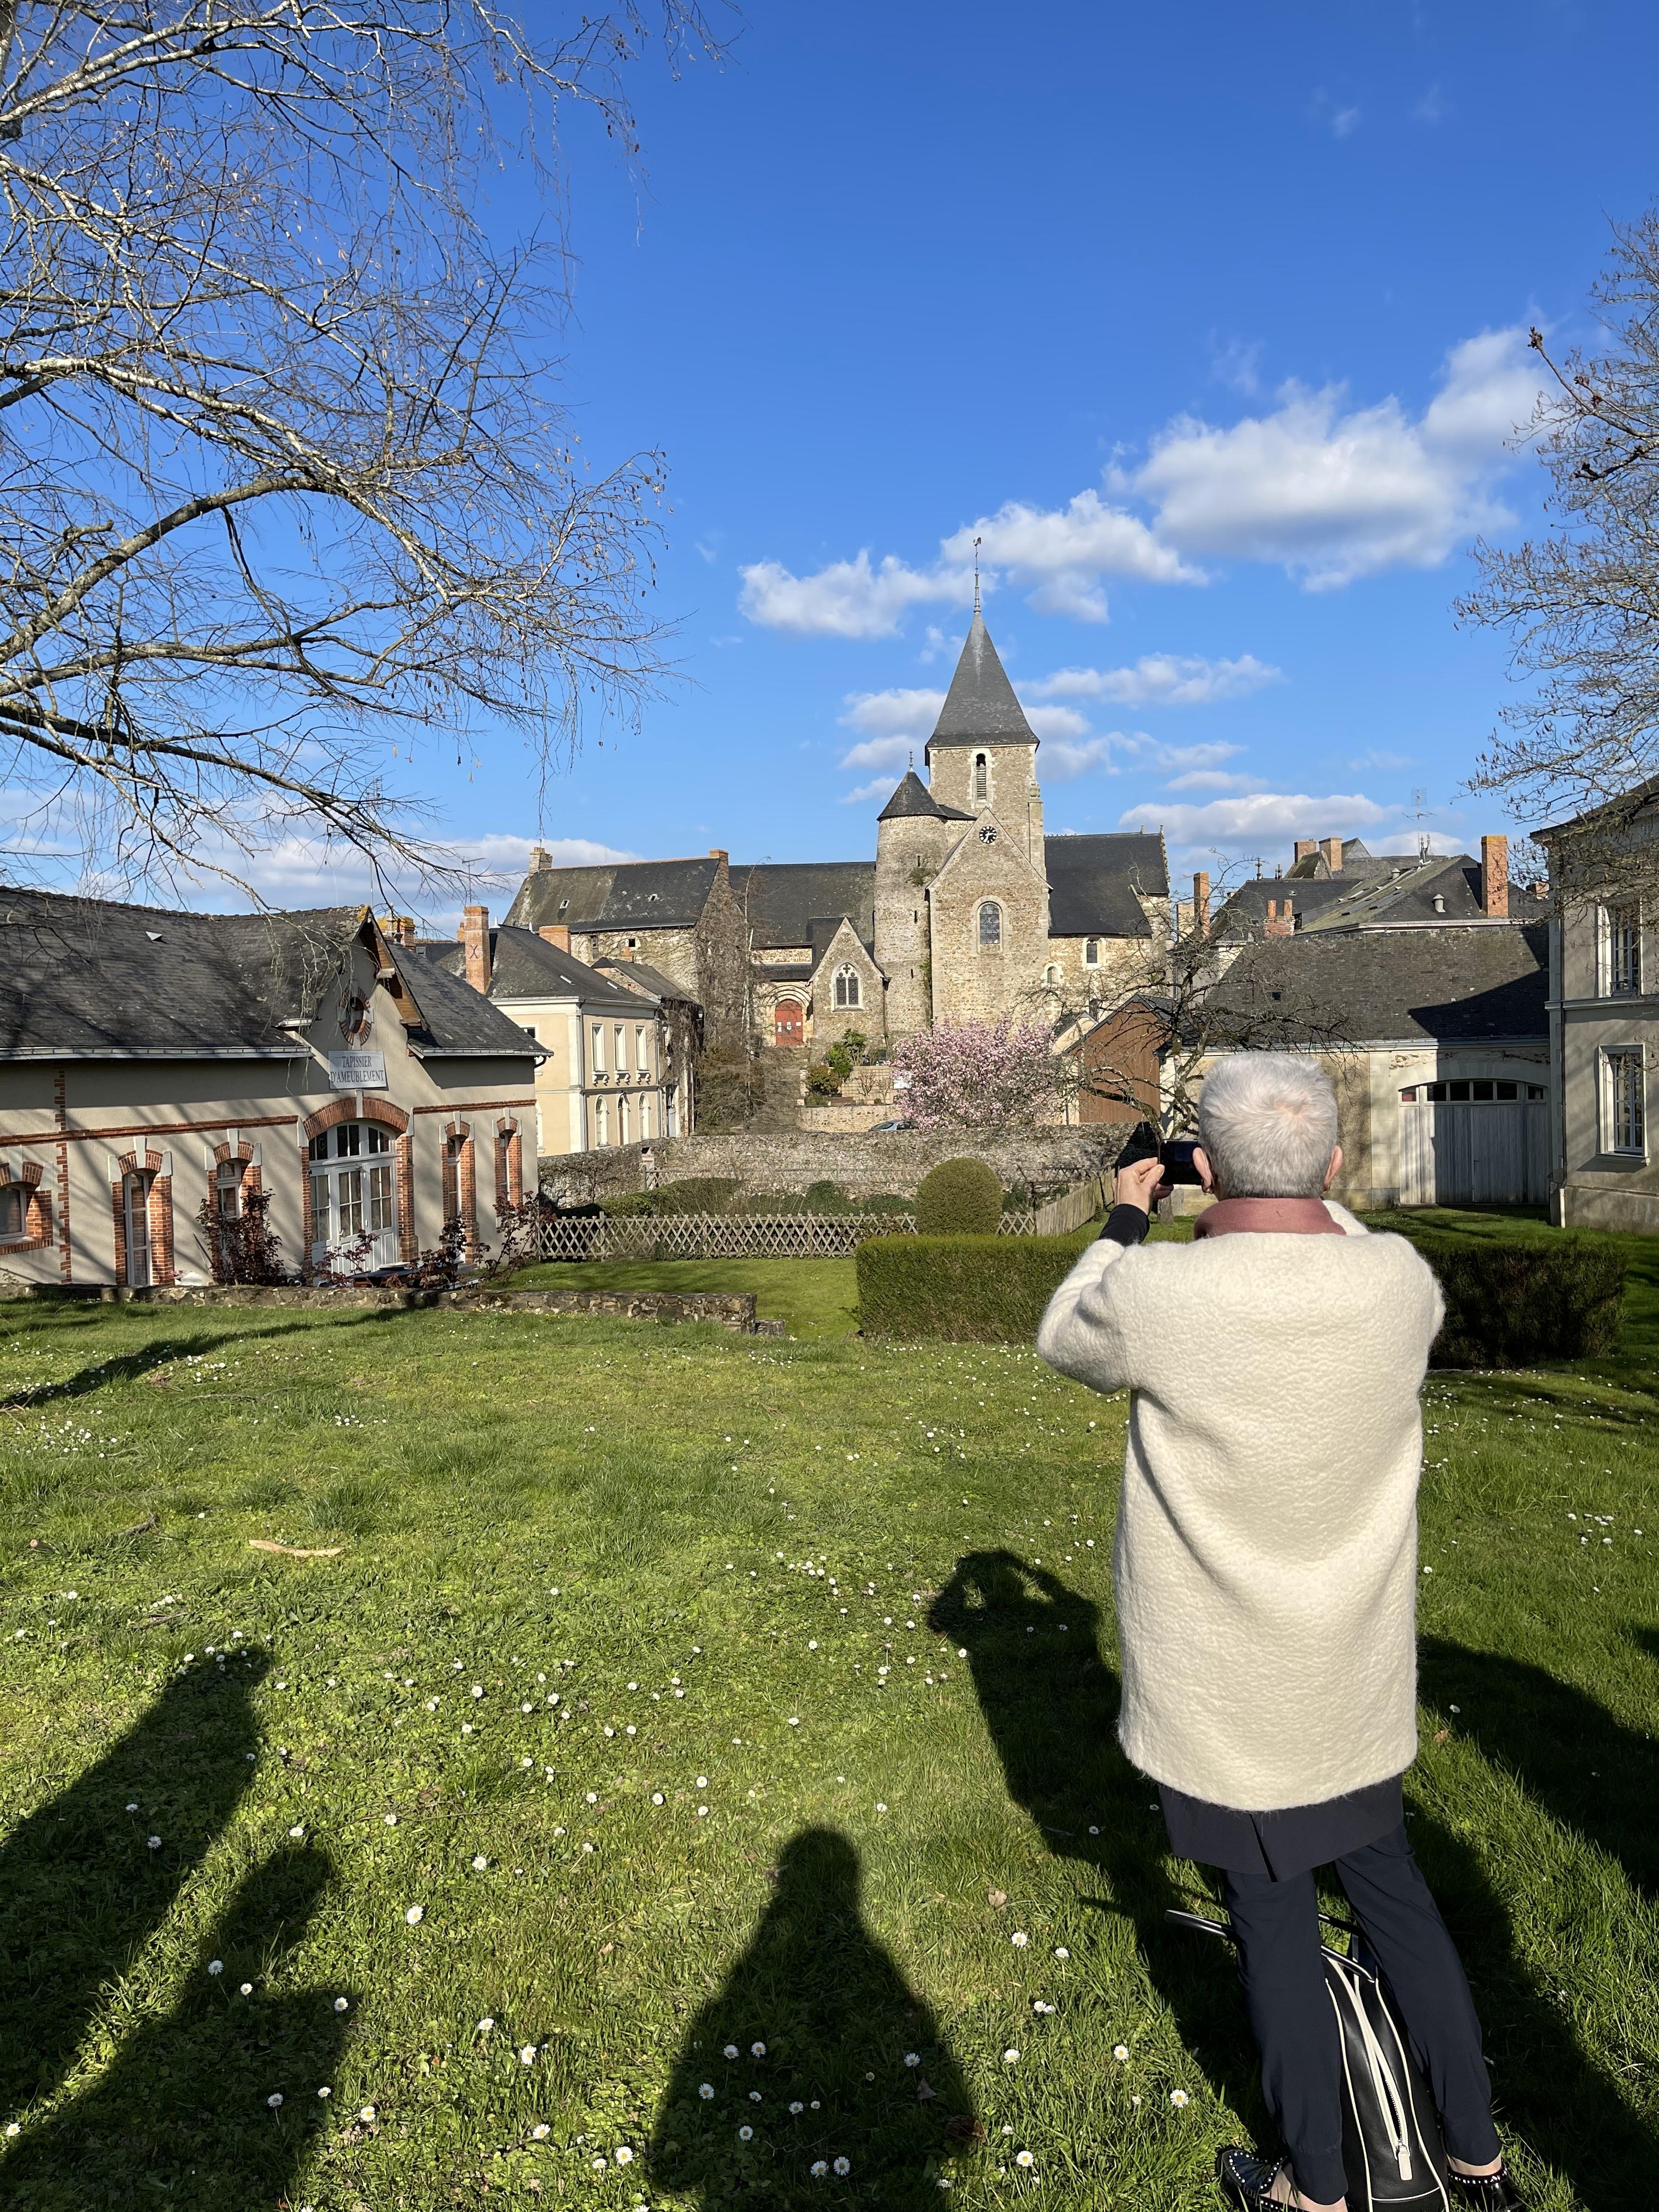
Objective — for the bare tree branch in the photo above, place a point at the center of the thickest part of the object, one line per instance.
(284, 469)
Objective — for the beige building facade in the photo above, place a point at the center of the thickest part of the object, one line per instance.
(155, 1064)
(1604, 1014)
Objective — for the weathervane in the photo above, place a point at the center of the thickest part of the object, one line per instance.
(977, 546)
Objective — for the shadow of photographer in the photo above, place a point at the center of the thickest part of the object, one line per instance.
(184, 2114)
(83, 1890)
(1050, 1704)
(838, 2022)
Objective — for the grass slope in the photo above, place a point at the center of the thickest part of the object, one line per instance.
(697, 1693)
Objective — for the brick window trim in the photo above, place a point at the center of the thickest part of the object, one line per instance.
(509, 1163)
(158, 1206)
(39, 1232)
(467, 1177)
(225, 1155)
(350, 1106)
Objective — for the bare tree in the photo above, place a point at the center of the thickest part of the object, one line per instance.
(1582, 604)
(285, 475)
(1202, 992)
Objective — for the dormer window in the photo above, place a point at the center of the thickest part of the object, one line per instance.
(981, 776)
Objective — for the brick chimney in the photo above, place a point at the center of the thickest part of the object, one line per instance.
(399, 928)
(1306, 847)
(1495, 877)
(540, 857)
(1332, 849)
(558, 934)
(474, 933)
(1281, 919)
(718, 853)
(1201, 906)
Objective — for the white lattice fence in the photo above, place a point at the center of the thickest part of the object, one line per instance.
(769, 1236)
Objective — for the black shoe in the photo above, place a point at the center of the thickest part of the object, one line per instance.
(1484, 2192)
(1246, 2179)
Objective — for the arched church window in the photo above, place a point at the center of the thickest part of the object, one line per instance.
(1091, 952)
(981, 776)
(847, 988)
(990, 924)
(1051, 976)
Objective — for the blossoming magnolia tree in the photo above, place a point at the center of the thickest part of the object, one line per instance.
(979, 1075)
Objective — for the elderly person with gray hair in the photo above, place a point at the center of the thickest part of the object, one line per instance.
(1265, 1569)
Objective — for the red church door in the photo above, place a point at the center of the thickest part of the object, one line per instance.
(787, 1025)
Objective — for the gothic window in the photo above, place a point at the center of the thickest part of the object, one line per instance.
(1091, 952)
(848, 992)
(981, 776)
(990, 924)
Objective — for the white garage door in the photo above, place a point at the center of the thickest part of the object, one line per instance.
(1474, 1142)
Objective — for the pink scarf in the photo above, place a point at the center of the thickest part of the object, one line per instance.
(1284, 1217)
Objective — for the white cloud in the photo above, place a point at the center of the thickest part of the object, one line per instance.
(899, 713)
(1382, 760)
(846, 598)
(1265, 821)
(1062, 760)
(1333, 495)
(1433, 107)
(1341, 122)
(878, 752)
(1053, 722)
(1188, 757)
(879, 787)
(302, 872)
(1063, 552)
(1238, 364)
(1162, 679)
(1213, 779)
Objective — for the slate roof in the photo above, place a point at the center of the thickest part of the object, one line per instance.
(980, 707)
(783, 901)
(96, 979)
(621, 895)
(652, 982)
(1408, 986)
(1092, 883)
(524, 966)
(912, 799)
(1382, 891)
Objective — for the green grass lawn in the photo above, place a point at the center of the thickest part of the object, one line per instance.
(814, 1297)
(671, 1691)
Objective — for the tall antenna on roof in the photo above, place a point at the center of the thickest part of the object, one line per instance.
(1419, 799)
(977, 545)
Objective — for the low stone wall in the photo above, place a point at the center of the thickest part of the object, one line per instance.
(863, 1164)
(733, 1310)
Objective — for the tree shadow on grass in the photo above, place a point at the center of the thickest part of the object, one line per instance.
(183, 2116)
(1568, 1753)
(82, 1891)
(837, 2021)
(1050, 1702)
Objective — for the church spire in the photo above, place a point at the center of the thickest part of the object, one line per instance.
(980, 707)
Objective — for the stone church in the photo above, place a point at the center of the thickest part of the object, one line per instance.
(969, 910)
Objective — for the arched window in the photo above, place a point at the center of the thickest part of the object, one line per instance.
(849, 992)
(1051, 976)
(1091, 952)
(981, 776)
(990, 925)
(354, 1200)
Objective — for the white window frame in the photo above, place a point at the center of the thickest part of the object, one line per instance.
(1620, 950)
(1624, 1119)
(599, 1049)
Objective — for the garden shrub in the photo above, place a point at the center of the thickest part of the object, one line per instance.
(1512, 1302)
(959, 1198)
(973, 1289)
(696, 1194)
(626, 1204)
(888, 1201)
(826, 1197)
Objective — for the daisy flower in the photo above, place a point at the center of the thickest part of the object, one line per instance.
(757, 2050)
(1011, 2058)
(818, 2169)
(1120, 2053)
(1019, 1940)
(745, 2135)
(415, 1914)
(843, 2166)
(731, 2051)
(1179, 2099)
(1024, 2158)
(623, 2155)
(274, 2099)
(705, 2089)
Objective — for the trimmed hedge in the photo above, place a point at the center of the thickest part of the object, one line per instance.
(1511, 1302)
(959, 1198)
(975, 1290)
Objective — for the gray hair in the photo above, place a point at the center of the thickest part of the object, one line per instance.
(1268, 1121)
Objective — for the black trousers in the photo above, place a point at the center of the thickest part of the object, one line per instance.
(1276, 1927)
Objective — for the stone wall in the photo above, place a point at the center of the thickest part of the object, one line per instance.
(864, 1164)
(733, 1310)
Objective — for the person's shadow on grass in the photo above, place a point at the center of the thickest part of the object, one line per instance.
(816, 2045)
(82, 1889)
(1050, 1702)
(185, 2114)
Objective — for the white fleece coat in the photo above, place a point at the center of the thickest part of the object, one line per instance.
(1266, 1557)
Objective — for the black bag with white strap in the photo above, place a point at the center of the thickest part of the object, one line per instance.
(1391, 2143)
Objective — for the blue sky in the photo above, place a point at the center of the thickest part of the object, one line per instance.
(1211, 322)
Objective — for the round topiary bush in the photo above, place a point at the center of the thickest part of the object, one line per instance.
(959, 1198)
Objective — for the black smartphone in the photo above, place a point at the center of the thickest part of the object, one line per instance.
(1175, 1153)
